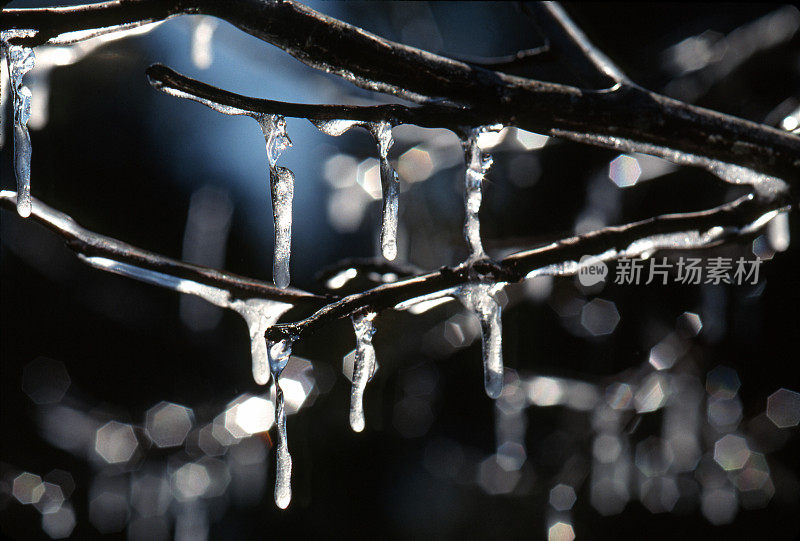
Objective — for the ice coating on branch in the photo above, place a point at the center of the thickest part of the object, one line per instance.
(279, 353)
(364, 366)
(335, 127)
(281, 182)
(20, 61)
(390, 186)
(479, 299)
(259, 314)
(478, 163)
(765, 185)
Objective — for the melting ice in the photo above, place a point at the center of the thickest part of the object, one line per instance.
(364, 366)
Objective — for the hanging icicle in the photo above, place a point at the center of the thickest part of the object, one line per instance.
(478, 163)
(279, 353)
(282, 190)
(364, 366)
(390, 184)
(479, 299)
(20, 61)
(390, 187)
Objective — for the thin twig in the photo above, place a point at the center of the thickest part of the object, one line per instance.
(429, 115)
(706, 228)
(89, 244)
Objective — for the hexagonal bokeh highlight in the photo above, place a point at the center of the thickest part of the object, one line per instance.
(45, 380)
(168, 424)
(783, 408)
(60, 523)
(27, 488)
(723, 382)
(115, 442)
(599, 317)
(731, 452)
(562, 497)
(560, 531)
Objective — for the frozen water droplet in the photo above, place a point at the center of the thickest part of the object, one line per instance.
(478, 164)
(479, 299)
(335, 127)
(282, 187)
(20, 61)
(390, 186)
(364, 366)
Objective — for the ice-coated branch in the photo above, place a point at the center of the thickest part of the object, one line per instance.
(430, 115)
(625, 111)
(88, 244)
(693, 230)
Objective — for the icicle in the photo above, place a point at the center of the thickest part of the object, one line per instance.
(478, 164)
(282, 189)
(364, 367)
(259, 314)
(390, 185)
(479, 298)
(279, 353)
(20, 61)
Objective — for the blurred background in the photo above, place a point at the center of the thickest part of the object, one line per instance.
(129, 411)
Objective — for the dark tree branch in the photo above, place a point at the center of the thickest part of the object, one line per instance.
(429, 115)
(710, 227)
(626, 112)
(703, 229)
(569, 42)
(89, 244)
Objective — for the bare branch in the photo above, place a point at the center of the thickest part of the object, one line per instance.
(88, 244)
(626, 112)
(672, 231)
(567, 40)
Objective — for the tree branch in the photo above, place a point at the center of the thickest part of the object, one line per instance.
(88, 244)
(429, 115)
(626, 112)
(671, 231)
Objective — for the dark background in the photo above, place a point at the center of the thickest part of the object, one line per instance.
(124, 160)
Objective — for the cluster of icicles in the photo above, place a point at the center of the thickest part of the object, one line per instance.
(478, 297)
(270, 358)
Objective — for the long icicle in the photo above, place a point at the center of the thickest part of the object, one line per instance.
(282, 190)
(390, 187)
(20, 61)
(364, 366)
(478, 163)
(279, 353)
(479, 299)
(390, 184)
